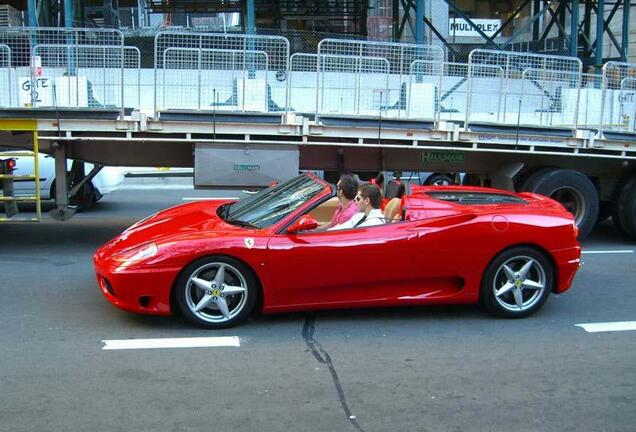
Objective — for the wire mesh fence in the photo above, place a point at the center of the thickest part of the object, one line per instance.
(22, 40)
(590, 101)
(82, 68)
(57, 67)
(5, 76)
(302, 83)
(532, 88)
(486, 100)
(132, 77)
(400, 59)
(246, 59)
(552, 97)
(619, 97)
(352, 85)
(210, 79)
(425, 83)
(454, 92)
(79, 76)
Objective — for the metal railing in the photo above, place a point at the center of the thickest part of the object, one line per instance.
(225, 48)
(6, 97)
(92, 69)
(618, 97)
(402, 60)
(529, 82)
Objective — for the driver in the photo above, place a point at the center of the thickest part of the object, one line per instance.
(368, 202)
(346, 192)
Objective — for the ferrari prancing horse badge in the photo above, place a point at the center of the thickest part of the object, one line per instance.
(249, 242)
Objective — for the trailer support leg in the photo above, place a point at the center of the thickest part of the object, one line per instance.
(62, 211)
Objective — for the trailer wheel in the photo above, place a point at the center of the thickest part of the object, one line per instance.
(573, 190)
(439, 179)
(527, 182)
(624, 208)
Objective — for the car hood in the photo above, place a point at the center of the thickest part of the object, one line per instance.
(181, 221)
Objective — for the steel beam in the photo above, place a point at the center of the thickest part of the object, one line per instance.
(68, 13)
(625, 36)
(250, 17)
(419, 21)
(600, 26)
(574, 28)
(32, 11)
(396, 21)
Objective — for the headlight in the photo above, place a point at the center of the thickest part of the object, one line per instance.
(136, 255)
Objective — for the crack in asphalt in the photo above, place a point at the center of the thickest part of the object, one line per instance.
(323, 357)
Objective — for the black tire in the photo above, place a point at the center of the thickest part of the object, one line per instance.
(526, 184)
(439, 179)
(573, 190)
(238, 306)
(625, 209)
(620, 207)
(83, 199)
(495, 277)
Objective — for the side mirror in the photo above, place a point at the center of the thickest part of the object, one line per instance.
(305, 223)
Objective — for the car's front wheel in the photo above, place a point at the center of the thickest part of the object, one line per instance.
(216, 292)
(517, 282)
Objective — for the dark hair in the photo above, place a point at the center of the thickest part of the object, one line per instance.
(401, 190)
(348, 186)
(379, 180)
(372, 192)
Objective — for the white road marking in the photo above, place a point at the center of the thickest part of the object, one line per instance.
(194, 342)
(156, 187)
(208, 198)
(618, 251)
(608, 326)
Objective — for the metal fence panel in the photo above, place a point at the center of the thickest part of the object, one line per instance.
(518, 96)
(619, 94)
(590, 101)
(486, 98)
(269, 81)
(454, 94)
(78, 76)
(550, 98)
(211, 79)
(425, 83)
(132, 77)
(352, 85)
(6, 95)
(22, 40)
(302, 81)
(399, 57)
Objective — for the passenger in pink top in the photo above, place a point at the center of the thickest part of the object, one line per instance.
(346, 190)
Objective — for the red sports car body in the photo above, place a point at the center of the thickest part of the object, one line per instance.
(215, 261)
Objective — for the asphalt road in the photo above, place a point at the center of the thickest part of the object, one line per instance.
(416, 369)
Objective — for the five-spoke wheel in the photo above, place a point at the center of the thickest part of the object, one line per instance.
(517, 282)
(216, 292)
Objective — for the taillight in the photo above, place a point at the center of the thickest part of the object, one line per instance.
(10, 164)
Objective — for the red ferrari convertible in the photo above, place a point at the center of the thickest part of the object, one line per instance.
(215, 262)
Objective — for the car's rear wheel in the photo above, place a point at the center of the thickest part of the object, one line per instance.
(517, 283)
(216, 292)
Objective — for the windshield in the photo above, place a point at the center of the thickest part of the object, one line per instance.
(273, 204)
